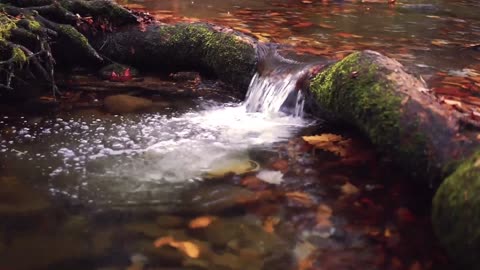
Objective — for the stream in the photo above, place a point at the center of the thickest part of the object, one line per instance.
(208, 184)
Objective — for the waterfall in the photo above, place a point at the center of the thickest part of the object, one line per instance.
(275, 88)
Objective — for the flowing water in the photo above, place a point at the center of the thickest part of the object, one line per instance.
(90, 190)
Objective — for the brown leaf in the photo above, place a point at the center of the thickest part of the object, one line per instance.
(335, 144)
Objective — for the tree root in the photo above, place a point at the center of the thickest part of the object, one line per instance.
(34, 32)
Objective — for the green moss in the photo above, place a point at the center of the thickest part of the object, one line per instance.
(225, 54)
(354, 91)
(7, 24)
(351, 90)
(19, 56)
(73, 35)
(456, 213)
(34, 25)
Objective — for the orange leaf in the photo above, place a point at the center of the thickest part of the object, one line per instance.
(301, 198)
(201, 222)
(188, 248)
(270, 223)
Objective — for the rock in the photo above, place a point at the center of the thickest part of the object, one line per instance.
(119, 104)
(456, 213)
(215, 198)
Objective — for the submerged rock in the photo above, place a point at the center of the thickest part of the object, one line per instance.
(216, 198)
(119, 104)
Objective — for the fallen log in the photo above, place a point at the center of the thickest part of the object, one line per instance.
(421, 136)
(220, 52)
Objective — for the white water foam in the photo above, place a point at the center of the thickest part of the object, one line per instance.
(123, 154)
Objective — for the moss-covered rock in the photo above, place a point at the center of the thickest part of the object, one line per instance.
(392, 108)
(456, 213)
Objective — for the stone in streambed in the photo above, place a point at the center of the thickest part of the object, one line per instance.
(216, 198)
(118, 104)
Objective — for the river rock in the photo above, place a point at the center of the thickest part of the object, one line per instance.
(216, 198)
(118, 104)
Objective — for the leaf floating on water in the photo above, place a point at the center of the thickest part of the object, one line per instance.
(271, 177)
(188, 248)
(335, 144)
(201, 222)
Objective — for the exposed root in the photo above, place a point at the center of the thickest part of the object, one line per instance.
(32, 31)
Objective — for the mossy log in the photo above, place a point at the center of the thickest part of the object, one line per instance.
(227, 55)
(406, 123)
(394, 110)
(456, 213)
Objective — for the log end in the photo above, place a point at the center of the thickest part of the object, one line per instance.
(456, 213)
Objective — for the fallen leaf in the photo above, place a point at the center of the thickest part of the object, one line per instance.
(335, 144)
(349, 189)
(270, 223)
(188, 248)
(301, 198)
(201, 222)
(324, 212)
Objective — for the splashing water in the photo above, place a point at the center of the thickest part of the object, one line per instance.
(276, 89)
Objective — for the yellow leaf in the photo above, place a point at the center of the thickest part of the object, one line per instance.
(335, 144)
(201, 222)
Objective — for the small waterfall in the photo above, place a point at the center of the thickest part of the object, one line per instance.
(275, 88)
